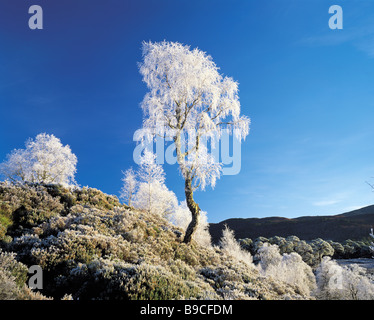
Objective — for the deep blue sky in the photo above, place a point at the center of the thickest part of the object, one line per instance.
(307, 89)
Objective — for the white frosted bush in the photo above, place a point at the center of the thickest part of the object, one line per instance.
(8, 286)
(232, 248)
(336, 282)
(146, 189)
(289, 268)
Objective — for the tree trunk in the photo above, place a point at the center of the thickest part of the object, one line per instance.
(194, 209)
(188, 190)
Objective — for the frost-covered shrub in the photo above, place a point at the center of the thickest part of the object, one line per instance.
(311, 252)
(114, 279)
(236, 280)
(26, 206)
(336, 282)
(13, 276)
(94, 197)
(232, 248)
(228, 283)
(155, 282)
(8, 286)
(67, 196)
(269, 257)
(9, 290)
(17, 270)
(289, 268)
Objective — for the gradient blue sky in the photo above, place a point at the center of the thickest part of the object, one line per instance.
(307, 89)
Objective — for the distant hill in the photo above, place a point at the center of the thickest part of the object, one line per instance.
(353, 225)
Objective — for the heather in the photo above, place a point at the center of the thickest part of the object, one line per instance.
(90, 246)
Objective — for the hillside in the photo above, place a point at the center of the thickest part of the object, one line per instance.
(90, 246)
(353, 225)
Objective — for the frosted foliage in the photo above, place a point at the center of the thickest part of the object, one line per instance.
(289, 268)
(149, 170)
(269, 256)
(204, 168)
(187, 93)
(8, 286)
(129, 186)
(181, 217)
(45, 160)
(232, 248)
(335, 282)
(152, 195)
(155, 197)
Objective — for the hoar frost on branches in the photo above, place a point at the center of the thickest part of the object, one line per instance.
(146, 189)
(335, 282)
(232, 248)
(44, 160)
(129, 186)
(289, 268)
(188, 94)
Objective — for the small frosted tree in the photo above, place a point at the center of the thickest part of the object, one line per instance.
(129, 186)
(155, 197)
(187, 94)
(152, 194)
(232, 247)
(268, 256)
(44, 160)
(335, 282)
(149, 170)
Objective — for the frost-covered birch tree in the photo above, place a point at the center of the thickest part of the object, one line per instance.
(129, 186)
(44, 160)
(152, 194)
(188, 94)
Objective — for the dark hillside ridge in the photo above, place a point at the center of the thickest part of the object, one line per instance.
(353, 225)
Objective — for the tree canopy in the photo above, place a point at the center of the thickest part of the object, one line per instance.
(187, 95)
(44, 160)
